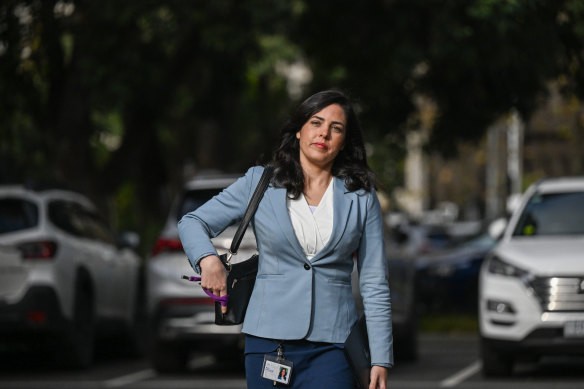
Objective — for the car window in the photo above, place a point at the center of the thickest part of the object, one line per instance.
(17, 214)
(66, 216)
(193, 199)
(80, 221)
(552, 214)
(96, 227)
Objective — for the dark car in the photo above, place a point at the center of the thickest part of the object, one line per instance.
(447, 280)
(410, 240)
(402, 272)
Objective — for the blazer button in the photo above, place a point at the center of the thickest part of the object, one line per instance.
(307, 266)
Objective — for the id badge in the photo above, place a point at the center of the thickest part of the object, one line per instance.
(277, 369)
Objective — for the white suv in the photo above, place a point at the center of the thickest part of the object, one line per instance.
(63, 276)
(531, 292)
(182, 316)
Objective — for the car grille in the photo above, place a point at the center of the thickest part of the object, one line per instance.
(559, 294)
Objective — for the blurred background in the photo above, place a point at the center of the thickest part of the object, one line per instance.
(463, 104)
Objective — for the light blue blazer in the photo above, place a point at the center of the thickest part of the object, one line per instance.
(295, 298)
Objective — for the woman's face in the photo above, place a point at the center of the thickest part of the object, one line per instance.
(322, 137)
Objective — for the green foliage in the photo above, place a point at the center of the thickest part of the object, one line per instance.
(386, 160)
(455, 323)
(110, 95)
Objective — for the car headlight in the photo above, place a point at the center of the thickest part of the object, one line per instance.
(497, 266)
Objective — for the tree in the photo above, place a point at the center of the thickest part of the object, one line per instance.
(114, 98)
(475, 59)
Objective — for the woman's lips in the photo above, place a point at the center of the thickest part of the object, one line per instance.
(321, 146)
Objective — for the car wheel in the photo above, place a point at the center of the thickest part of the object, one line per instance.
(169, 358)
(495, 362)
(137, 331)
(77, 351)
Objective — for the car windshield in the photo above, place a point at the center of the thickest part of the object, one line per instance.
(193, 199)
(552, 214)
(17, 214)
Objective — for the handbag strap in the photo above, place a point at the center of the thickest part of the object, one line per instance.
(251, 208)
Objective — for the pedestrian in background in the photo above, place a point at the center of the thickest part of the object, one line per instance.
(319, 212)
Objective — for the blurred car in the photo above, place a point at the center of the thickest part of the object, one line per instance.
(410, 240)
(447, 280)
(402, 273)
(64, 278)
(181, 315)
(531, 287)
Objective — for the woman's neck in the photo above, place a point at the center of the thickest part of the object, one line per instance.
(316, 183)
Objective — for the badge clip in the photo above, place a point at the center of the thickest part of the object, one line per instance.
(277, 368)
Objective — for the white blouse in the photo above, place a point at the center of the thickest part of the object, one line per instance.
(312, 225)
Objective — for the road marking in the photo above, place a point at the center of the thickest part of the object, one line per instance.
(130, 378)
(229, 383)
(462, 375)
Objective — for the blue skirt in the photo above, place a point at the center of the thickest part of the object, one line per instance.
(316, 365)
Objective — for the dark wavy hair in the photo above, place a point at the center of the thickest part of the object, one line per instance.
(349, 165)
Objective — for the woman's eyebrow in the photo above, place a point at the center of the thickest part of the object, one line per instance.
(335, 122)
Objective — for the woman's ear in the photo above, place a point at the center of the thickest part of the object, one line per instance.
(298, 135)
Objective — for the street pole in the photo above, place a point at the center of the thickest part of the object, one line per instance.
(514, 153)
(492, 196)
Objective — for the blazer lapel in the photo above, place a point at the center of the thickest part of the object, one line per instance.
(277, 198)
(341, 210)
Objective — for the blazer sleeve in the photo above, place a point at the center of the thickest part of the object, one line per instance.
(196, 228)
(374, 284)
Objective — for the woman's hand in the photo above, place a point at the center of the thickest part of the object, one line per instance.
(378, 377)
(214, 277)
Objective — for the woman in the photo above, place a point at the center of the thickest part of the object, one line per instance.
(319, 212)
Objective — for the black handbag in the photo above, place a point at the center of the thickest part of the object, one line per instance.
(242, 275)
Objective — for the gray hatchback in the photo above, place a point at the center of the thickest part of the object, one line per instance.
(182, 316)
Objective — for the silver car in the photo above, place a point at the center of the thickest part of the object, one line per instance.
(182, 316)
(531, 286)
(64, 277)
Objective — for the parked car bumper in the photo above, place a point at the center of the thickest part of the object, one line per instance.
(522, 326)
(38, 310)
(183, 321)
(542, 341)
(34, 320)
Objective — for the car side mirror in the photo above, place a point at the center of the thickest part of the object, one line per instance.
(497, 227)
(128, 239)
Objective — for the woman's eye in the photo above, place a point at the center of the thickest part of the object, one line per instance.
(315, 123)
(338, 129)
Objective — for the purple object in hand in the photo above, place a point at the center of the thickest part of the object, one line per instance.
(222, 300)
